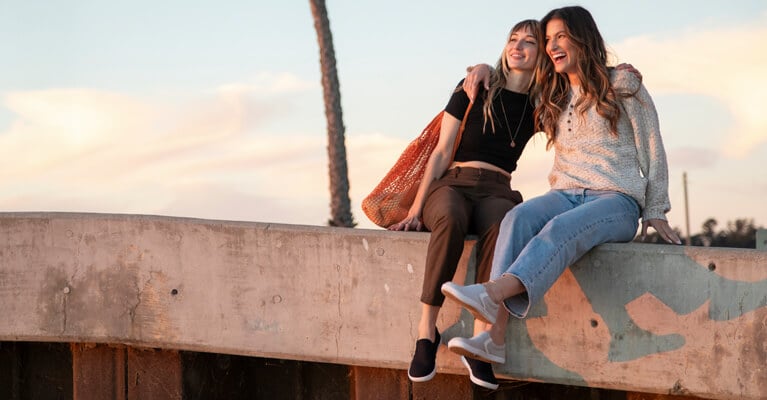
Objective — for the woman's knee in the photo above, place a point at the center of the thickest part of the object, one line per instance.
(453, 224)
(520, 217)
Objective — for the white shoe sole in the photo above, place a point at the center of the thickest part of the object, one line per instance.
(423, 378)
(477, 381)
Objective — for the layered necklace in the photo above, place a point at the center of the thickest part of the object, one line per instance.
(519, 125)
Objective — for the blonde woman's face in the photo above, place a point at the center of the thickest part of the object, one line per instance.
(521, 50)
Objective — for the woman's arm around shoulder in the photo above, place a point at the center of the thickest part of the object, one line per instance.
(625, 81)
(476, 75)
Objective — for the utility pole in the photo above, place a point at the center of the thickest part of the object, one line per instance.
(686, 208)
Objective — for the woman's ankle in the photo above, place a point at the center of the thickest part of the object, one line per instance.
(498, 339)
(504, 287)
(494, 292)
(426, 333)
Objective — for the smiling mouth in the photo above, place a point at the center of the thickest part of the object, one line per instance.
(557, 56)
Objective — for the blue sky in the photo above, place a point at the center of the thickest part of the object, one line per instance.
(214, 110)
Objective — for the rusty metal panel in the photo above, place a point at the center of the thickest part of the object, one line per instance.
(153, 374)
(98, 372)
(445, 386)
(379, 384)
(122, 372)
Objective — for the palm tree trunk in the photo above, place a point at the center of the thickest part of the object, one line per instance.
(340, 204)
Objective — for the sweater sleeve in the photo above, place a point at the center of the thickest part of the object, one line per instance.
(651, 155)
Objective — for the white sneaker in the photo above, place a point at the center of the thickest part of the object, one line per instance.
(474, 298)
(480, 347)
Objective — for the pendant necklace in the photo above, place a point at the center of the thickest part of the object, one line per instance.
(519, 125)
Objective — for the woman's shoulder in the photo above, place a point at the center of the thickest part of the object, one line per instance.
(624, 81)
(459, 87)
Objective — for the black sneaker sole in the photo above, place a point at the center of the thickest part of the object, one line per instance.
(475, 380)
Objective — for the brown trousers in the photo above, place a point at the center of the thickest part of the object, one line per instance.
(464, 201)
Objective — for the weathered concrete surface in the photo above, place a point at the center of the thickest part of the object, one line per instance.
(647, 318)
(652, 318)
(336, 295)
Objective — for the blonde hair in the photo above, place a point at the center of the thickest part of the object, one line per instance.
(499, 76)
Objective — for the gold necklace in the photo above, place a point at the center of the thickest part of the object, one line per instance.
(521, 118)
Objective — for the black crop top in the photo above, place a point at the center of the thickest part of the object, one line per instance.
(488, 146)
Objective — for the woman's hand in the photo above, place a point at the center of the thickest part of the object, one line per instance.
(410, 223)
(663, 229)
(477, 74)
(629, 68)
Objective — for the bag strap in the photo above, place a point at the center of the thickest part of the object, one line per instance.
(460, 131)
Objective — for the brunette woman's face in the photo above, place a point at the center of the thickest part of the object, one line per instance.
(522, 50)
(561, 49)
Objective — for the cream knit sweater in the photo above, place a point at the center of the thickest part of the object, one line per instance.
(588, 156)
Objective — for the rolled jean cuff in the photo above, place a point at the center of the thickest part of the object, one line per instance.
(518, 305)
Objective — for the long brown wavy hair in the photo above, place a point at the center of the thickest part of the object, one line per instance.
(501, 71)
(591, 55)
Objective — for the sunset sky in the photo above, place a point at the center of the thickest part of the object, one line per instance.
(214, 109)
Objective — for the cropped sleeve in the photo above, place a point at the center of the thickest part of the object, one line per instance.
(459, 102)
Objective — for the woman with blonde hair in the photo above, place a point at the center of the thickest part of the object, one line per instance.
(472, 193)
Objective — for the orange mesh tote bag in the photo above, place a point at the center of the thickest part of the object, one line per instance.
(390, 200)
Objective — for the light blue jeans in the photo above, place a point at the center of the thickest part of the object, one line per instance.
(539, 238)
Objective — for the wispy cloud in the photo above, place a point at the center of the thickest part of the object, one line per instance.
(692, 157)
(268, 83)
(91, 150)
(54, 126)
(723, 63)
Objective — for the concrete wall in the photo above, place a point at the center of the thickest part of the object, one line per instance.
(645, 318)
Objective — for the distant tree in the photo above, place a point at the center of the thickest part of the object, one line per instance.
(340, 204)
(708, 235)
(741, 233)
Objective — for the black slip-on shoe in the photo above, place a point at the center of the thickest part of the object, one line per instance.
(424, 364)
(480, 372)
